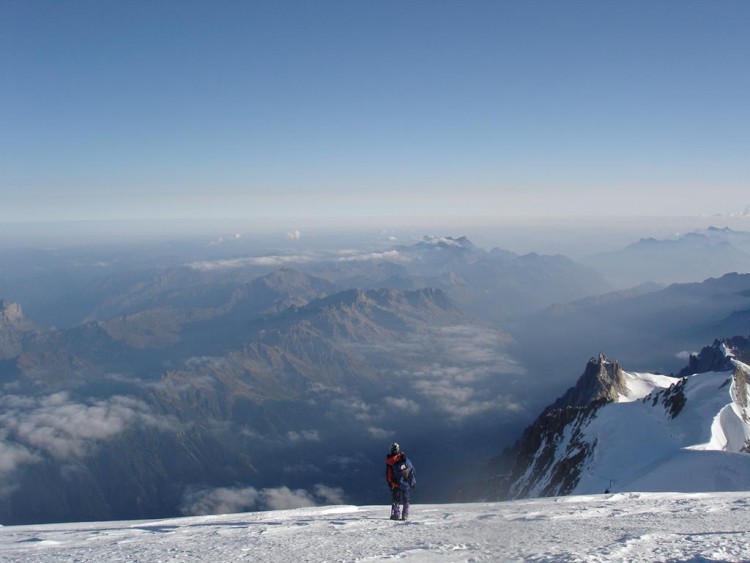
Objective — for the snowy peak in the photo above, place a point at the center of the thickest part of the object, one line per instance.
(442, 252)
(606, 382)
(636, 432)
(12, 327)
(10, 313)
(12, 318)
(461, 243)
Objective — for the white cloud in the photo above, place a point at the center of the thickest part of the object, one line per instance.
(473, 344)
(344, 462)
(329, 495)
(284, 498)
(378, 433)
(57, 426)
(387, 256)
(222, 500)
(359, 409)
(294, 235)
(229, 264)
(225, 500)
(278, 260)
(303, 436)
(303, 467)
(12, 455)
(402, 403)
(458, 371)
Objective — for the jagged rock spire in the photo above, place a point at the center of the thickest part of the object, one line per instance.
(601, 379)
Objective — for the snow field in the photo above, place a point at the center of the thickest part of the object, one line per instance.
(621, 527)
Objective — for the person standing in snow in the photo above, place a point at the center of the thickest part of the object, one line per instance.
(401, 478)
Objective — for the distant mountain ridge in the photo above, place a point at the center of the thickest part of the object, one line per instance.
(281, 302)
(498, 284)
(621, 431)
(680, 317)
(689, 257)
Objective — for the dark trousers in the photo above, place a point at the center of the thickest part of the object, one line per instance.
(399, 496)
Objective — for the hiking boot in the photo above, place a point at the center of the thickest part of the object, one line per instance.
(395, 512)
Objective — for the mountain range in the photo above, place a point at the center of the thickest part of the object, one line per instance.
(685, 258)
(649, 328)
(124, 417)
(183, 377)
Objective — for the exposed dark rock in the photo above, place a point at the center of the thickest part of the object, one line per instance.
(713, 358)
(600, 380)
(673, 398)
(741, 389)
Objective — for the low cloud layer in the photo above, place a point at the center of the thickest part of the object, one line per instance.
(386, 256)
(461, 370)
(402, 404)
(226, 500)
(32, 428)
(303, 436)
(279, 260)
(271, 261)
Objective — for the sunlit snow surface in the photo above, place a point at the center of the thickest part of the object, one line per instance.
(639, 447)
(641, 384)
(621, 527)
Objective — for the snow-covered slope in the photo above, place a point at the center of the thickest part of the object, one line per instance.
(618, 431)
(641, 446)
(621, 527)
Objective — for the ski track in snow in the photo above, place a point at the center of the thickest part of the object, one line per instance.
(650, 527)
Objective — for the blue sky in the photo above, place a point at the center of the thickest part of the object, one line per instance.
(180, 109)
